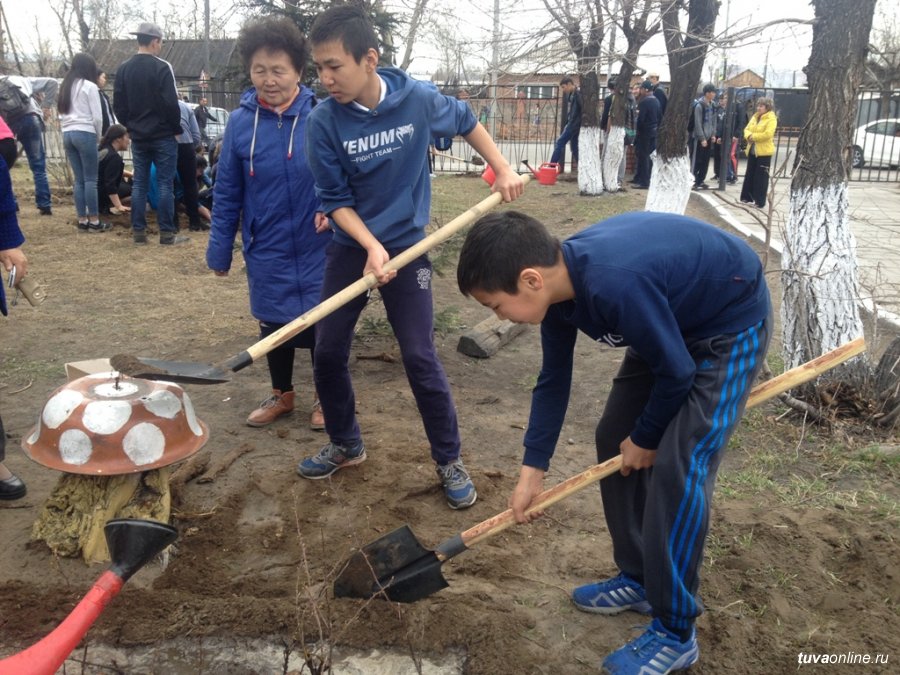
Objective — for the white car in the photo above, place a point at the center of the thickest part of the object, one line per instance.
(877, 144)
(214, 128)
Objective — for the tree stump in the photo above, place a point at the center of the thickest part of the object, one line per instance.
(72, 519)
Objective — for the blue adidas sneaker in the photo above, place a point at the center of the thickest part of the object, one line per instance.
(612, 596)
(331, 458)
(655, 652)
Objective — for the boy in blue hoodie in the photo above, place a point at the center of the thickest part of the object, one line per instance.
(367, 146)
(690, 303)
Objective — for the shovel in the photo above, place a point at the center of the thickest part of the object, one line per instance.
(199, 373)
(397, 567)
(132, 544)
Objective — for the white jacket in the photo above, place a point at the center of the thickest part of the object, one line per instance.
(85, 113)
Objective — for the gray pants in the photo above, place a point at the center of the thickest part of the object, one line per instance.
(658, 518)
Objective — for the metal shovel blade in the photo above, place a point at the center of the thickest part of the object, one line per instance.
(183, 372)
(396, 566)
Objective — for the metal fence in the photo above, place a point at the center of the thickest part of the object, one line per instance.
(526, 129)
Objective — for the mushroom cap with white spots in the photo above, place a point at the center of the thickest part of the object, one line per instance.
(108, 424)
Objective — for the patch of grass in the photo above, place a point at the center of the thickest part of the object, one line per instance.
(374, 326)
(447, 321)
(528, 383)
(17, 370)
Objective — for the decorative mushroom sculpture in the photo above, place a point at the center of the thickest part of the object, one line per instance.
(113, 437)
(108, 424)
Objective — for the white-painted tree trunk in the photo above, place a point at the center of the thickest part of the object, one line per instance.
(670, 184)
(613, 153)
(820, 277)
(590, 178)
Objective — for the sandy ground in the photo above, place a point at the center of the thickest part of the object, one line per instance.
(791, 566)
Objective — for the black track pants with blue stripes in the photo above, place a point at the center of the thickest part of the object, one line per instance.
(658, 518)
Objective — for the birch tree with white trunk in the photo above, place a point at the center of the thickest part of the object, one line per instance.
(573, 18)
(671, 179)
(820, 280)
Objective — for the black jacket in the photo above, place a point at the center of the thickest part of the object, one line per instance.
(145, 99)
(576, 104)
(110, 171)
(648, 117)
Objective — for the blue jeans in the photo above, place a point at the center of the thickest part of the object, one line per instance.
(164, 153)
(81, 151)
(29, 132)
(570, 136)
(410, 311)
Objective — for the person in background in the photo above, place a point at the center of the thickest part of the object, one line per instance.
(760, 136)
(9, 151)
(108, 116)
(646, 130)
(659, 93)
(572, 129)
(113, 188)
(264, 186)
(189, 142)
(146, 103)
(373, 224)
(202, 115)
(204, 183)
(704, 134)
(689, 304)
(730, 148)
(29, 131)
(80, 117)
(11, 255)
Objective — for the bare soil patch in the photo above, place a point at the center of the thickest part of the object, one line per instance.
(802, 556)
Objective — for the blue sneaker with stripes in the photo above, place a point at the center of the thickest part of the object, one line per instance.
(655, 652)
(612, 596)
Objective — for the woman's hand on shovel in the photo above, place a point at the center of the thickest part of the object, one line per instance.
(531, 484)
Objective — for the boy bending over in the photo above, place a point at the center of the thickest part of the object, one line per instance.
(367, 147)
(690, 304)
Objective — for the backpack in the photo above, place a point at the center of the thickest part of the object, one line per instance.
(14, 103)
(690, 126)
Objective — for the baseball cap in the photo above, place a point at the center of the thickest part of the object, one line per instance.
(147, 28)
(646, 84)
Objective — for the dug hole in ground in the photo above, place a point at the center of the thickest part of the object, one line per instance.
(802, 554)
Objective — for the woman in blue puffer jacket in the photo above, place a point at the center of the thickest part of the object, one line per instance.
(264, 186)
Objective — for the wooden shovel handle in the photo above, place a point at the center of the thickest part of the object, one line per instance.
(367, 282)
(762, 392)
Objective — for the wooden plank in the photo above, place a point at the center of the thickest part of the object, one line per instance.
(486, 338)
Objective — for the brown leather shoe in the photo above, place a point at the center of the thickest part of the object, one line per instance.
(272, 408)
(316, 417)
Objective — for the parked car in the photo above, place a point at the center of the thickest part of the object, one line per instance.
(877, 144)
(215, 128)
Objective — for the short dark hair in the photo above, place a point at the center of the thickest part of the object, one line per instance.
(498, 247)
(273, 34)
(708, 88)
(348, 24)
(145, 40)
(567, 80)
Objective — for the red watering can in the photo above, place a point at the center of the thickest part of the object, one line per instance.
(546, 172)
